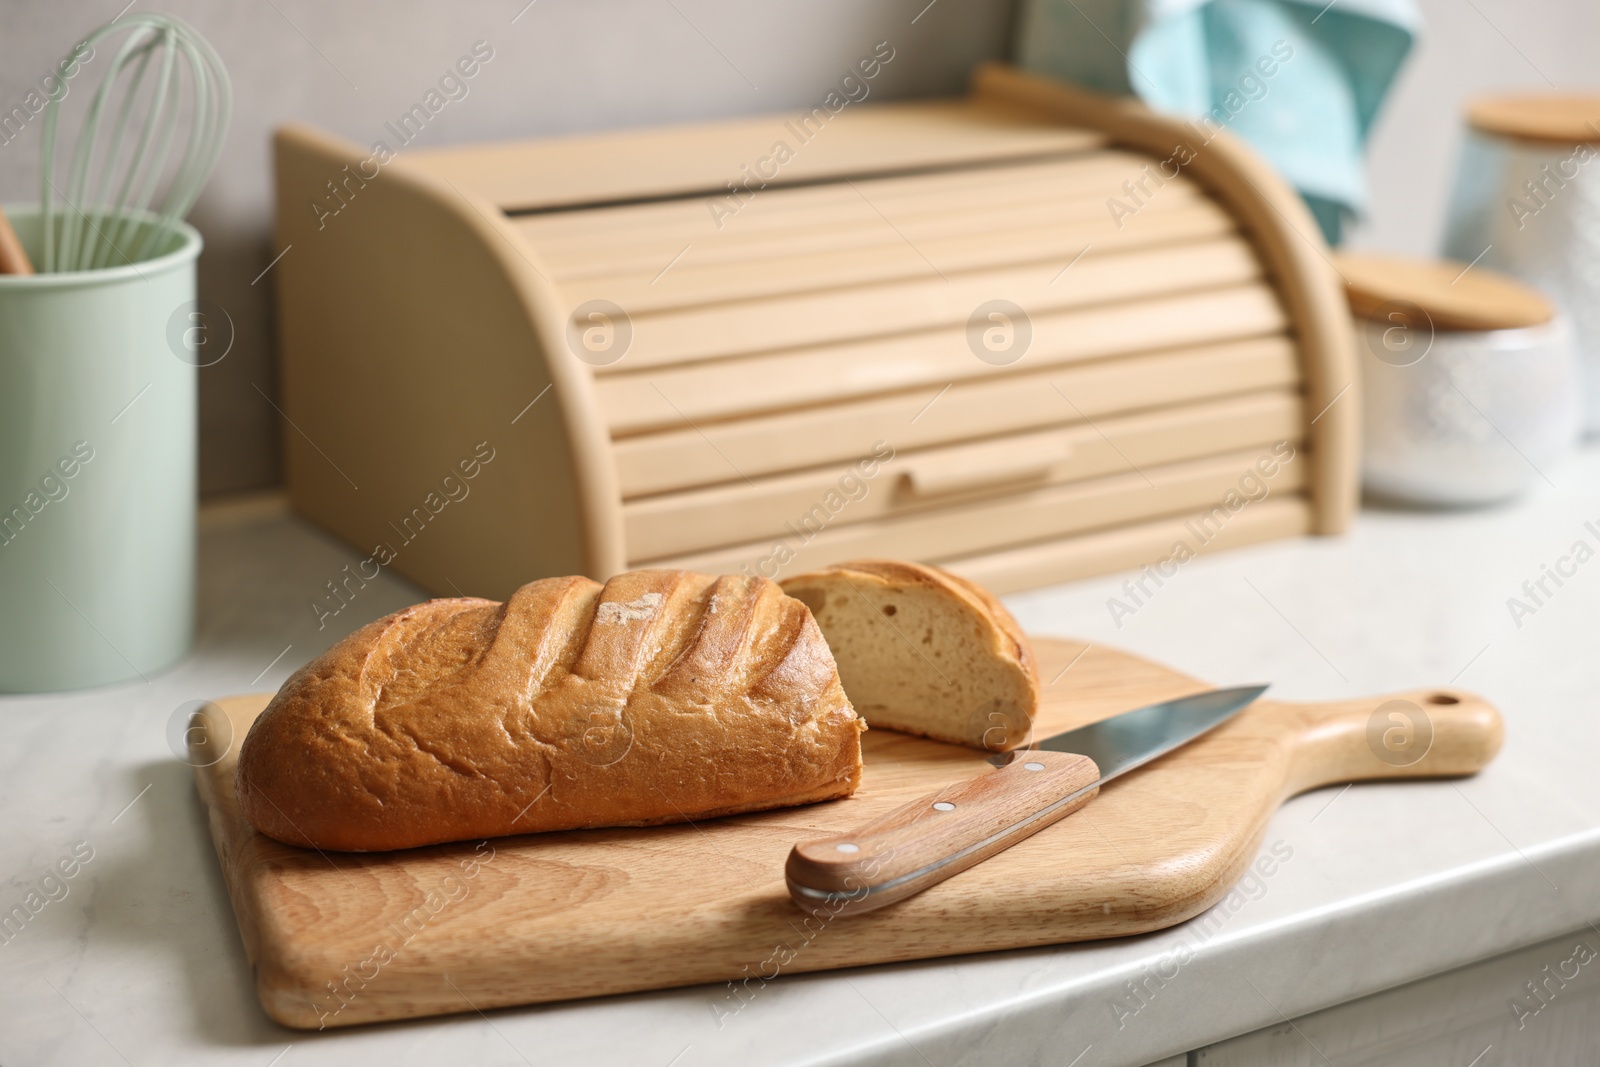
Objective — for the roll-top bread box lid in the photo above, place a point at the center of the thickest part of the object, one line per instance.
(1030, 334)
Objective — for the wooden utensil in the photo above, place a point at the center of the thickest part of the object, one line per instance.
(13, 257)
(555, 916)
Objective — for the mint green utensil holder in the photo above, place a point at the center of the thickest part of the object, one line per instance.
(97, 467)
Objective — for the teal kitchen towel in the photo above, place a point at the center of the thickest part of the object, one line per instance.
(1302, 82)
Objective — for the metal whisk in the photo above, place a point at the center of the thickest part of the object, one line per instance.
(125, 148)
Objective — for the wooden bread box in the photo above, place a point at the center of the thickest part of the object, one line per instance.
(1031, 334)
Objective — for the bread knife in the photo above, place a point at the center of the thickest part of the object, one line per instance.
(925, 842)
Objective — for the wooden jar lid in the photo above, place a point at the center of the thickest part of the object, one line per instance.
(1548, 118)
(1476, 300)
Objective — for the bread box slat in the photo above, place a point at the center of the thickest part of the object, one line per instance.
(923, 479)
(1137, 545)
(667, 284)
(875, 312)
(657, 397)
(642, 237)
(689, 161)
(1023, 517)
(1174, 220)
(427, 311)
(710, 452)
(949, 201)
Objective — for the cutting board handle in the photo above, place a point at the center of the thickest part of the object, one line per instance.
(1437, 732)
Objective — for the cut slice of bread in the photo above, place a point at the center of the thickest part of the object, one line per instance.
(924, 651)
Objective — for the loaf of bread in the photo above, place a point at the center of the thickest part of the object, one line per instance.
(924, 651)
(663, 696)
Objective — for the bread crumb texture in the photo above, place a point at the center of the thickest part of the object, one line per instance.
(661, 696)
(926, 652)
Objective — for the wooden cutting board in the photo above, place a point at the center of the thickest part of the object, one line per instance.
(336, 939)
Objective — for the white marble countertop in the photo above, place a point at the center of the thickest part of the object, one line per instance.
(140, 962)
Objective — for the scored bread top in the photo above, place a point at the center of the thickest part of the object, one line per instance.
(661, 696)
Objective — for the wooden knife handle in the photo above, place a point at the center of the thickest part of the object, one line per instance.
(928, 840)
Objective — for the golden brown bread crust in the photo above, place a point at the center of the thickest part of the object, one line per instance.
(661, 697)
(1014, 642)
(1009, 644)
